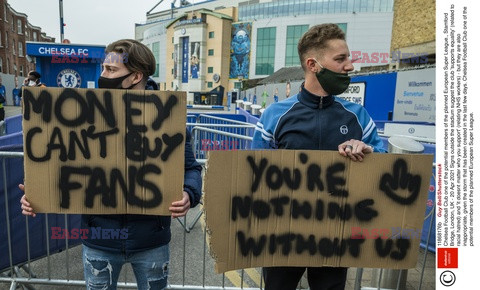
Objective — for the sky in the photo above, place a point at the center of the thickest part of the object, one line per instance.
(89, 21)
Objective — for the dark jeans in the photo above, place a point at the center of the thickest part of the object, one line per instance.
(2, 114)
(319, 278)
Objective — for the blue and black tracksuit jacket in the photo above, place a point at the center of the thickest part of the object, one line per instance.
(309, 122)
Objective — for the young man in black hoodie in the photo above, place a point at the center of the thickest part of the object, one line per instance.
(128, 65)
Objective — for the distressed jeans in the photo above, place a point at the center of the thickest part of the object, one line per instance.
(102, 268)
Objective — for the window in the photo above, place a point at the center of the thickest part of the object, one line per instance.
(343, 27)
(15, 69)
(13, 48)
(210, 52)
(6, 39)
(21, 70)
(19, 26)
(20, 49)
(173, 39)
(171, 84)
(265, 51)
(211, 34)
(237, 85)
(13, 23)
(5, 13)
(210, 69)
(8, 66)
(34, 36)
(293, 35)
(210, 85)
(156, 54)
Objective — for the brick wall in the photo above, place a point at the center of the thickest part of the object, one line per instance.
(15, 30)
(413, 23)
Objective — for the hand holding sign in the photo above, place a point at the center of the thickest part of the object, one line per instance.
(25, 205)
(401, 179)
(180, 208)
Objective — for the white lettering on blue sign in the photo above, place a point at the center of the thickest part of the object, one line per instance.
(63, 51)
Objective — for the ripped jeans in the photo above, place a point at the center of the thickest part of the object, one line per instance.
(102, 268)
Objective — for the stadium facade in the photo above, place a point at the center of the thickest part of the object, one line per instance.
(215, 45)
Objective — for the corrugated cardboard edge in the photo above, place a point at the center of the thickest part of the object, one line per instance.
(33, 187)
(393, 265)
(207, 229)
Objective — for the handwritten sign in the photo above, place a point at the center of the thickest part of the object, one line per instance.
(103, 151)
(314, 208)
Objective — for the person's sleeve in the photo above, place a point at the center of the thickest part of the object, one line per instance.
(3, 93)
(370, 135)
(192, 183)
(263, 136)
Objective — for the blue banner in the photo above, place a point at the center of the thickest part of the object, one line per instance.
(240, 50)
(185, 60)
(66, 65)
(59, 50)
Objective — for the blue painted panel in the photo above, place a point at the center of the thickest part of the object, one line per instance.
(63, 65)
(379, 93)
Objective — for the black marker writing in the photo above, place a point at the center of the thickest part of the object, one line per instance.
(289, 242)
(67, 149)
(275, 177)
(401, 179)
(99, 185)
(246, 206)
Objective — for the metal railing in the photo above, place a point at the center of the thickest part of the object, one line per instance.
(188, 239)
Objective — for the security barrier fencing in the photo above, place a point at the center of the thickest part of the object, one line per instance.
(26, 242)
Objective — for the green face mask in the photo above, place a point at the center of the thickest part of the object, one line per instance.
(333, 83)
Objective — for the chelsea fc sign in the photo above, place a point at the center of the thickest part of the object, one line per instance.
(69, 78)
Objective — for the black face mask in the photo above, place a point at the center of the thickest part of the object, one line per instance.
(115, 83)
(333, 83)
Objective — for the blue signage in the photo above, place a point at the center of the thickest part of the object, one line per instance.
(185, 60)
(46, 49)
(66, 65)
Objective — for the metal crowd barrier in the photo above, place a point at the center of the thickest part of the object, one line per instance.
(188, 246)
(220, 137)
(239, 134)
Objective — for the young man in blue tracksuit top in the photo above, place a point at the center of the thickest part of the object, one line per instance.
(127, 65)
(316, 119)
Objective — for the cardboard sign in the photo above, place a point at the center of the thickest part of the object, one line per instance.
(103, 151)
(315, 208)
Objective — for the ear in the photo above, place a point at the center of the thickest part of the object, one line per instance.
(137, 77)
(311, 64)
